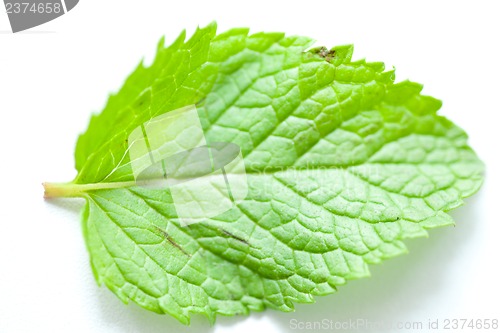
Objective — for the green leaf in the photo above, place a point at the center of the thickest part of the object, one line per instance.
(342, 165)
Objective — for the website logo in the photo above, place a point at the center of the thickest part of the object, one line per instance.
(205, 179)
(26, 14)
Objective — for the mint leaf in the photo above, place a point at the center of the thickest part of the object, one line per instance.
(342, 165)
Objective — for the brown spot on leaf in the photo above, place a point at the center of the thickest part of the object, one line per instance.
(324, 53)
(227, 233)
(165, 235)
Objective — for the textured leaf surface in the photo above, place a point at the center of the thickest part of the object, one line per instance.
(343, 164)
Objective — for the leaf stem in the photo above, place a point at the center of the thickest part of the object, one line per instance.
(70, 190)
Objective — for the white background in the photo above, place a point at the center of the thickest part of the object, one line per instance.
(53, 76)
